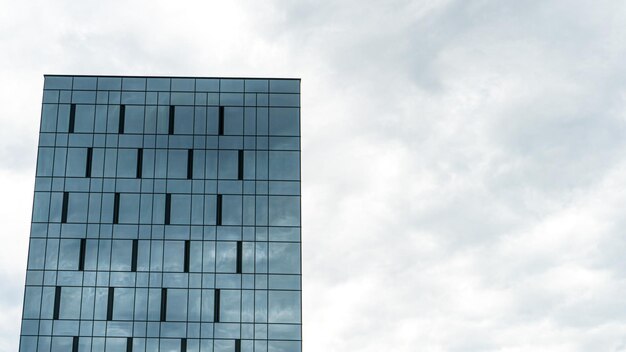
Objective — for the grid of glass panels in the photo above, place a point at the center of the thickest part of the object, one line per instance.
(166, 216)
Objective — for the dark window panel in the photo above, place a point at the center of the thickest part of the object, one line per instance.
(122, 119)
(239, 256)
(183, 345)
(216, 306)
(89, 162)
(66, 199)
(75, 344)
(186, 259)
(163, 304)
(81, 256)
(57, 303)
(190, 164)
(116, 208)
(237, 345)
(240, 165)
(168, 208)
(133, 263)
(221, 122)
(111, 295)
(129, 344)
(139, 162)
(218, 214)
(171, 119)
(72, 121)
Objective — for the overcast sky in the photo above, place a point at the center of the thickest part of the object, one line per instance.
(464, 162)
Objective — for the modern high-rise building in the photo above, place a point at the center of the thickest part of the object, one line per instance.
(166, 216)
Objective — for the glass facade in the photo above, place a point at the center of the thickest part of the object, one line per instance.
(166, 216)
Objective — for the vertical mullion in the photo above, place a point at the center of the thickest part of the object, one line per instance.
(186, 259)
(171, 121)
(218, 209)
(133, 262)
(139, 162)
(116, 208)
(216, 306)
(66, 200)
(240, 165)
(221, 122)
(183, 344)
(239, 256)
(110, 303)
(238, 345)
(129, 344)
(88, 162)
(163, 304)
(70, 128)
(81, 256)
(57, 302)
(190, 164)
(122, 120)
(168, 207)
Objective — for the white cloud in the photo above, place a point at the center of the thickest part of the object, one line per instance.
(463, 161)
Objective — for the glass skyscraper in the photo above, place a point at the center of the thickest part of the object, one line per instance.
(166, 216)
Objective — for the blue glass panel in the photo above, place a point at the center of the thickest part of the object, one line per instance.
(109, 83)
(284, 165)
(156, 84)
(231, 85)
(284, 258)
(284, 211)
(256, 85)
(284, 307)
(57, 82)
(285, 86)
(284, 121)
(68, 308)
(176, 305)
(183, 84)
(85, 83)
(133, 83)
(207, 85)
(49, 117)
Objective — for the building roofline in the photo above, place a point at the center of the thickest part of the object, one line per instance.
(139, 76)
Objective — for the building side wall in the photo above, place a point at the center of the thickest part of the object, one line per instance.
(166, 216)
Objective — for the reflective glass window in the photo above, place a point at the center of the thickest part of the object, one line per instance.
(284, 211)
(228, 164)
(231, 210)
(127, 163)
(76, 162)
(230, 305)
(173, 258)
(69, 309)
(177, 164)
(176, 305)
(129, 208)
(233, 120)
(226, 256)
(77, 207)
(284, 121)
(180, 212)
(84, 118)
(284, 307)
(121, 252)
(183, 123)
(284, 258)
(284, 165)
(133, 119)
(123, 303)
(69, 252)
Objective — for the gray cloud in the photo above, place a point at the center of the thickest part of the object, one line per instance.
(463, 161)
